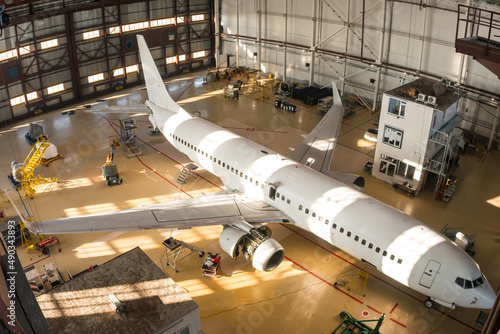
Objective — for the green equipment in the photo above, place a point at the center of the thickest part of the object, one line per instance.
(352, 325)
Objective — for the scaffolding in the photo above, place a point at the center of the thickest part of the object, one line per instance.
(128, 138)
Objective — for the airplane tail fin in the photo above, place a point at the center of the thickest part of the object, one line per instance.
(157, 92)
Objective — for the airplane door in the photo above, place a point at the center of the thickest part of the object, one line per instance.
(430, 273)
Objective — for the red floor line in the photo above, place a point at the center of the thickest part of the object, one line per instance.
(391, 285)
(323, 280)
(397, 322)
(32, 264)
(394, 308)
(371, 308)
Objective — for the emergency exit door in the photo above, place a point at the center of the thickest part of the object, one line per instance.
(430, 273)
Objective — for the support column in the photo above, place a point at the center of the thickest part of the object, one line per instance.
(342, 87)
(313, 43)
(495, 123)
(259, 37)
(285, 48)
(380, 58)
(423, 42)
(217, 34)
(237, 34)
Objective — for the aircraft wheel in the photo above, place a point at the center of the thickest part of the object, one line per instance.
(428, 303)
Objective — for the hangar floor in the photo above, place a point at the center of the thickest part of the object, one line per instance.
(299, 295)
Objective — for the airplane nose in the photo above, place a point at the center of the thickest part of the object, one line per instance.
(486, 296)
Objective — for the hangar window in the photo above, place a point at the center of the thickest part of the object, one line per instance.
(49, 44)
(118, 72)
(91, 34)
(171, 60)
(199, 54)
(356, 238)
(341, 230)
(182, 57)
(56, 88)
(132, 68)
(32, 96)
(181, 19)
(96, 77)
(162, 22)
(349, 233)
(24, 50)
(17, 100)
(199, 17)
(377, 250)
(8, 54)
(135, 26)
(114, 30)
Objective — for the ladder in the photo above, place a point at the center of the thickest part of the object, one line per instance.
(127, 136)
(187, 170)
(34, 158)
(174, 247)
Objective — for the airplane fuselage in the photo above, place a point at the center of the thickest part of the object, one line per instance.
(395, 243)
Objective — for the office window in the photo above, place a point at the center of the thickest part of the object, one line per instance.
(49, 44)
(397, 107)
(17, 100)
(54, 89)
(91, 34)
(405, 170)
(393, 137)
(96, 77)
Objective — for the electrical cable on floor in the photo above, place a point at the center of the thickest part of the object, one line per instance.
(440, 321)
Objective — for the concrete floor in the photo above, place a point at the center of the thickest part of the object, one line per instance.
(299, 295)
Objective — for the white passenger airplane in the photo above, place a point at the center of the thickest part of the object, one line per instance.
(264, 186)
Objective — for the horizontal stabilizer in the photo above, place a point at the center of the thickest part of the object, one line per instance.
(120, 110)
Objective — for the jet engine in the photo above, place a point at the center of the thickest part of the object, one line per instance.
(255, 242)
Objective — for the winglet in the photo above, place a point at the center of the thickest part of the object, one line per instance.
(157, 93)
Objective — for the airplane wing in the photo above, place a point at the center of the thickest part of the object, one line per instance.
(316, 150)
(120, 110)
(217, 209)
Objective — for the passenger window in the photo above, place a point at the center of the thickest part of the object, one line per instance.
(356, 238)
(236, 172)
(288, 201)
(370, 246)
(384, 253)
(363, 242)
(256, 182)
(223, 164)
(307, 210)
(278, 195)
(392, 257)
(400, 261)
(377, 250)
(314, 214)
(334, 226)
(251, 180)
(320, 218)
(300, 207)
(241, 174)
(246, 177)
(326, 221)
(341, 230)
(232, 169)
(282, 197)
(349, 233)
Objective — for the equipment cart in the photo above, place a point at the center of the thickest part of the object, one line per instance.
(352, 325)
(173, 249)
(211, 265)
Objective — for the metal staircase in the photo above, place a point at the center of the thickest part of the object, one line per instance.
(189, 169)
(30, 181)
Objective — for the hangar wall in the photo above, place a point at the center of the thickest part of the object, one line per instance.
(57, 52)
(322, 40)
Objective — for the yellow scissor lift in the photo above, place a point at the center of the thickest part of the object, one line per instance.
(34, 158)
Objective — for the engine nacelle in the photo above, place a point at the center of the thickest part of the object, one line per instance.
(256, 245)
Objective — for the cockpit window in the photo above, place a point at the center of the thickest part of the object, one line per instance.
(467, 284)
(478, 281)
